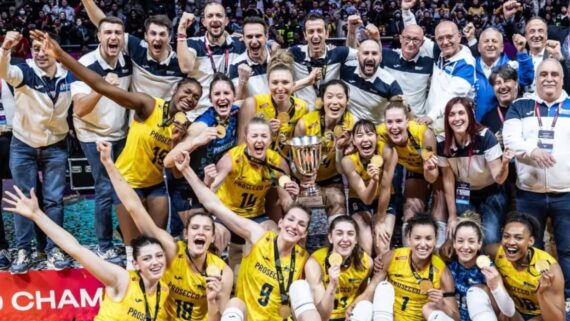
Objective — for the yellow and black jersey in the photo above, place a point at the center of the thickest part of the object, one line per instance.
(409, 155)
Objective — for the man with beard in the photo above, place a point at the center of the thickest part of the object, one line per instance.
(315, 55)
(453, 68)
(249, 72)
(202, 57)
(98, 118)
(38, 143)
(370, 86)
(537, 128)
(490, 48)
(155, 65)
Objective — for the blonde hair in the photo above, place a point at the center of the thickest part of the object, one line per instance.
(280, 60)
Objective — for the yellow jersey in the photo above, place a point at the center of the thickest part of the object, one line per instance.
(264, 107)
(522, 285)
(349, 281)
(409, 298)
(243, 191)
(313, 127)
(362, 172)
(258, 286)
(132, 306)
(147, 144)
(187, 299)
(409, 155)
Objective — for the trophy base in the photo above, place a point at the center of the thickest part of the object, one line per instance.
(311, 198)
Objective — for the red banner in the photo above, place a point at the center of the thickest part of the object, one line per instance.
(69, 295)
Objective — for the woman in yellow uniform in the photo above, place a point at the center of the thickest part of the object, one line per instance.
(414, 284)
(413, 146)
(195, 294)
(363, 177)
(333, 123)
(279, 107)
(149, 138)
(272, 264)
(129, 295)
(335, 285)
(531, 276)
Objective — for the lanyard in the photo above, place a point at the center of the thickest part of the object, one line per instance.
(283, 288)
(539, 118)
(166, 121)
(211, 57)
(277, 143)
(264, 163)
(53, 94)
(501, 117)
(322, 120)
(318, 63)
(202, 273)
(417, 275)
(147, 316)
(469, 156)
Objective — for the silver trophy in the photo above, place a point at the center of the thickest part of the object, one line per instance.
(306, 153)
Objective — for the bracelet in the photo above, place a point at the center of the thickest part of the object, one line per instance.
(181, 36)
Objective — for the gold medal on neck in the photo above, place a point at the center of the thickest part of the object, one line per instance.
(483, 261)
(338, 131)
(335, 259)
(377, 160)
(284, 311)
(542, 266)
(427, 153)
(425, 285)
(328, 136)
(221, 130)
(213, 270)
(284, 179)
(318, 103)
(283, 118)
(181, 118)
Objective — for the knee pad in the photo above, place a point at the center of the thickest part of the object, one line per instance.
(479, 305)
(383, 307)
(301, 297)
(362, 311)
(438, 315)
(232, 314)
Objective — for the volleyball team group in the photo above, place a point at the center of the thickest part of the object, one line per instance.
(235, 188)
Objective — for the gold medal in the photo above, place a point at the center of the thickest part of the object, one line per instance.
(284, 311)
(213, 270)
(318, 103)
(221, 130)
(542, 266)
(284, 179)
(425, 285)
(377, 160)
(180, 118)
(328, 136)
(427, 153)
(335, 259)
(338, 131)
(283, 118)
(483, 261)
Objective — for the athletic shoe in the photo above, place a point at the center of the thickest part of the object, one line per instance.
(110, 255)
(58, 260)
(5, 261)
(23, 262)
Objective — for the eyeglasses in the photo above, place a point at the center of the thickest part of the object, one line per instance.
(414, 41)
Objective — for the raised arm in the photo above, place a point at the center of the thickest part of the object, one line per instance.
(550, 294)
(186, 57)
(324, 297)
(246, 113)
(93, 12)
(431, 170)
(11, 74)
(133, 204)
(218, 292)
(198, 135)
(367, 194)
(143, 104)
(245, 228)
(447, 304)
(112, 276)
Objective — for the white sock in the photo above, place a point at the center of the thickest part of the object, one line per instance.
(232, 314)
(438, 315)
(504, 301)
(479, 305)
(441, 233)
(362, 311)
(383, 306)
(129, 252)
(301, 297)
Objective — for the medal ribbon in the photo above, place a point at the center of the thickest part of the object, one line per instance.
(211, 57)
(417, 275)
(147, 316)
(539, 118)
(283, 288)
